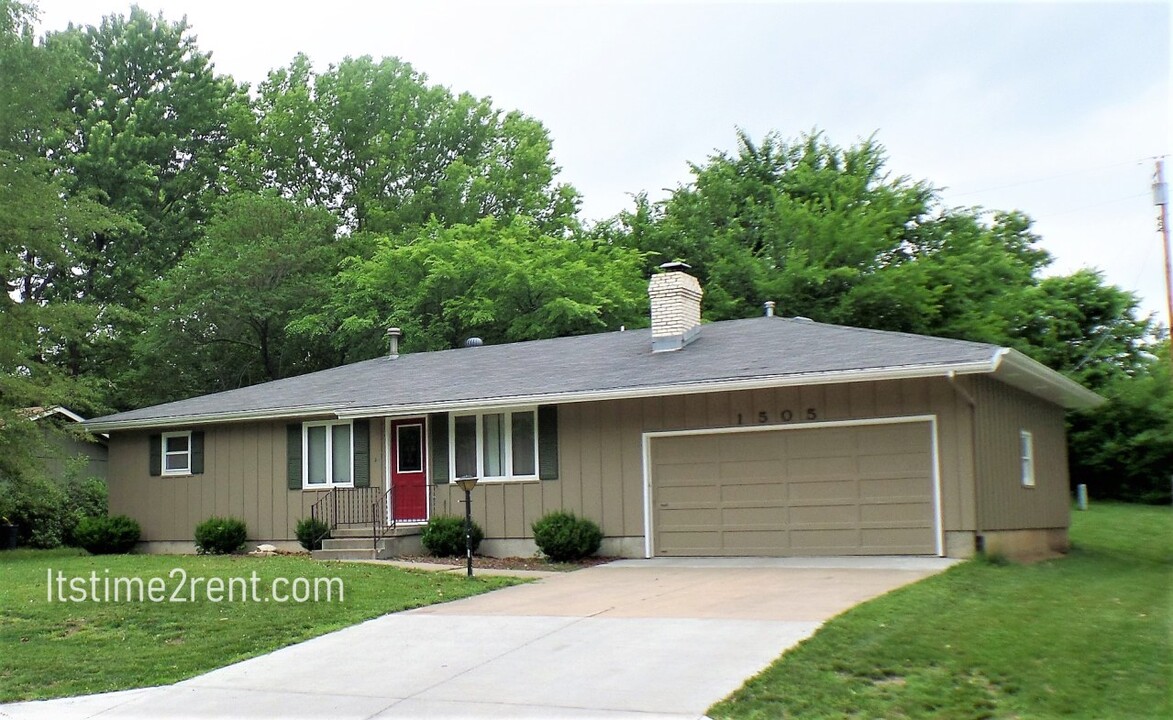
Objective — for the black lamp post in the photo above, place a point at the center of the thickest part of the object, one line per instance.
(467, 484)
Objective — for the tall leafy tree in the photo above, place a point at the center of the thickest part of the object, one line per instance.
(218, 318)
(801, 223)
(145, 142)
(375, 143)
(1124, 449)
(37, 222)
(149, 141)
(502, 282)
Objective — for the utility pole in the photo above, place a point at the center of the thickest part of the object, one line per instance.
(1161, 200)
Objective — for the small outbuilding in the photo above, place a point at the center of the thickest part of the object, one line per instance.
(767, 436)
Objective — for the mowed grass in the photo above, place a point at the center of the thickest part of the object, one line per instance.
(1086, 636)
(54, 648)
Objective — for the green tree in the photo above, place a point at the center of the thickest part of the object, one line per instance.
(384, 150)
(1079, 324)
(502, 282)
(149, 142)
(1124, 449)
(218, 318)
(142, 142)
(37, 223)
(804, 224)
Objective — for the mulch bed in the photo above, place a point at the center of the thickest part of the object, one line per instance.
(510, 563)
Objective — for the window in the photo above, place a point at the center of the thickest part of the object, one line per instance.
(409, 442)
(1027, 453)
(495, 446)
(177, 453)
(328, 454)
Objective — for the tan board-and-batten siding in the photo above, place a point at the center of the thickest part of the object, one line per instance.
(244, 476)
(601, 452)
(1002, 412)
(601, 462)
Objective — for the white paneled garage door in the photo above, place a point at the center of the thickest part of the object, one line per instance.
(843, 490)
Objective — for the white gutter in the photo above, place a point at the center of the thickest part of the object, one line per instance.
(694, 388)
(1019, 370)
(204, 418)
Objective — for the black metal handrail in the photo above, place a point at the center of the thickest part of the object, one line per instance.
(381, 510)
(347, 506)
(320, 509)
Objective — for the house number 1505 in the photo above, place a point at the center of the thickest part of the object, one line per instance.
(784, 416)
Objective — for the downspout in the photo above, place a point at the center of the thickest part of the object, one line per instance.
(979, 537)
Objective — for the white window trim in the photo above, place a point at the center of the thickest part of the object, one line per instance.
(163, 454)
(508, 477)
(305, 454)
(423, 443)
(1026, 460)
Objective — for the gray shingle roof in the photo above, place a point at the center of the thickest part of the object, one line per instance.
(725, 354)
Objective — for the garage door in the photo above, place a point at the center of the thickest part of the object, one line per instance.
(852, 490)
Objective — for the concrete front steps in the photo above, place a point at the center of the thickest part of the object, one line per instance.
(357, 543)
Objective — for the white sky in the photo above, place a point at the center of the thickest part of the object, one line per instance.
(1056, 109)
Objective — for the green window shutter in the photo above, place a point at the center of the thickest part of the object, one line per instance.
(197, 453)
(362, 452)
(438, 429)
(155, 466)
(293, 455)
(548, 442)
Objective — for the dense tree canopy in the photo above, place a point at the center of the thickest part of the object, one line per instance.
(217, 320)
(374, 143)
(502, 282)
(167, 232)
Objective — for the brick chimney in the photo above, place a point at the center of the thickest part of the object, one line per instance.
(676, 307)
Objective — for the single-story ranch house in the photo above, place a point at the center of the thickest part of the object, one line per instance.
(768, 436)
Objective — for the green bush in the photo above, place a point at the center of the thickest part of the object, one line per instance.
(220, 536)
(311, 532)
(86, 498)
(107, 535)
(444, 536)
(561, 536)
(36, 506)
(46, 511)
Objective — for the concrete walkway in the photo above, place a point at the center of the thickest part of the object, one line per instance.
(633, 639)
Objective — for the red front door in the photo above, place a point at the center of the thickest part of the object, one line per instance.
(408, 459)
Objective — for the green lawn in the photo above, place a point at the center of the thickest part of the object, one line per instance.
(54, 648)
(1086, 636)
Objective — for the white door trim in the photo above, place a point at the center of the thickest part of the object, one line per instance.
(938, 525)
(389, 457)
(387, 460)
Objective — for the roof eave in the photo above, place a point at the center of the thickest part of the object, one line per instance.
(905, 372)
(164, 421)
(1018, 370)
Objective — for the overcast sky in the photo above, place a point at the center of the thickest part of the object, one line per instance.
(1056, 109)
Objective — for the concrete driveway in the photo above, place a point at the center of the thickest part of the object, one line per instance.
(636, 638)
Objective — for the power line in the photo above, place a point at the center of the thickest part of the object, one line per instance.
(1032, 181)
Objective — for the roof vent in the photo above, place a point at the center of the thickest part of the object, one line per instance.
(393, 335)
(770, 305)
(472, 342)
(800, 318)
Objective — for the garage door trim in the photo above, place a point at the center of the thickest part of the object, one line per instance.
(938, 529)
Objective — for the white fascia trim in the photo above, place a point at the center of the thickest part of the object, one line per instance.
(488, 404)
(822, 378)
(1074, 395)
(58, 410)
(323, 412)
(938, 515)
